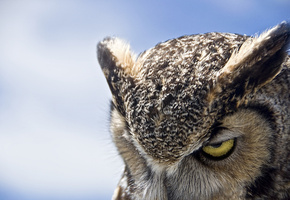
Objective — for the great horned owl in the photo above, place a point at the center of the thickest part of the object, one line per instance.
(202, 116)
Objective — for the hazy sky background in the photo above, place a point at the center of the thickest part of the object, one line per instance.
(54, 101)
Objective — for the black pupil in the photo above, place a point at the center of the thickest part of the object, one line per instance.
(216, 145)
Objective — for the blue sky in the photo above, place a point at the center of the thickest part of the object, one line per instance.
(54, 101)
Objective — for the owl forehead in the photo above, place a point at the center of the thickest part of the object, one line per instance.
(197, 54)
(180, 70)
(168, 104)
(165, 121)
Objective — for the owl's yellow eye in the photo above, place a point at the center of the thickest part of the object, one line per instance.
(220, 149)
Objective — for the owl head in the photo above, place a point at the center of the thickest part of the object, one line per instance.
(201, 116)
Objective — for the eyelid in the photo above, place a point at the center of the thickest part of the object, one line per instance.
(224, 135)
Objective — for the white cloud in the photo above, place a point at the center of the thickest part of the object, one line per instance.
(41, 153)
(53, 136)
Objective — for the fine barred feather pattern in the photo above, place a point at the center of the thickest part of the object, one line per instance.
(180, 101)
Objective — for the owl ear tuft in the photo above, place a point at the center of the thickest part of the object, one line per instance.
(256, 63)
(117, 63)
(115, 53)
